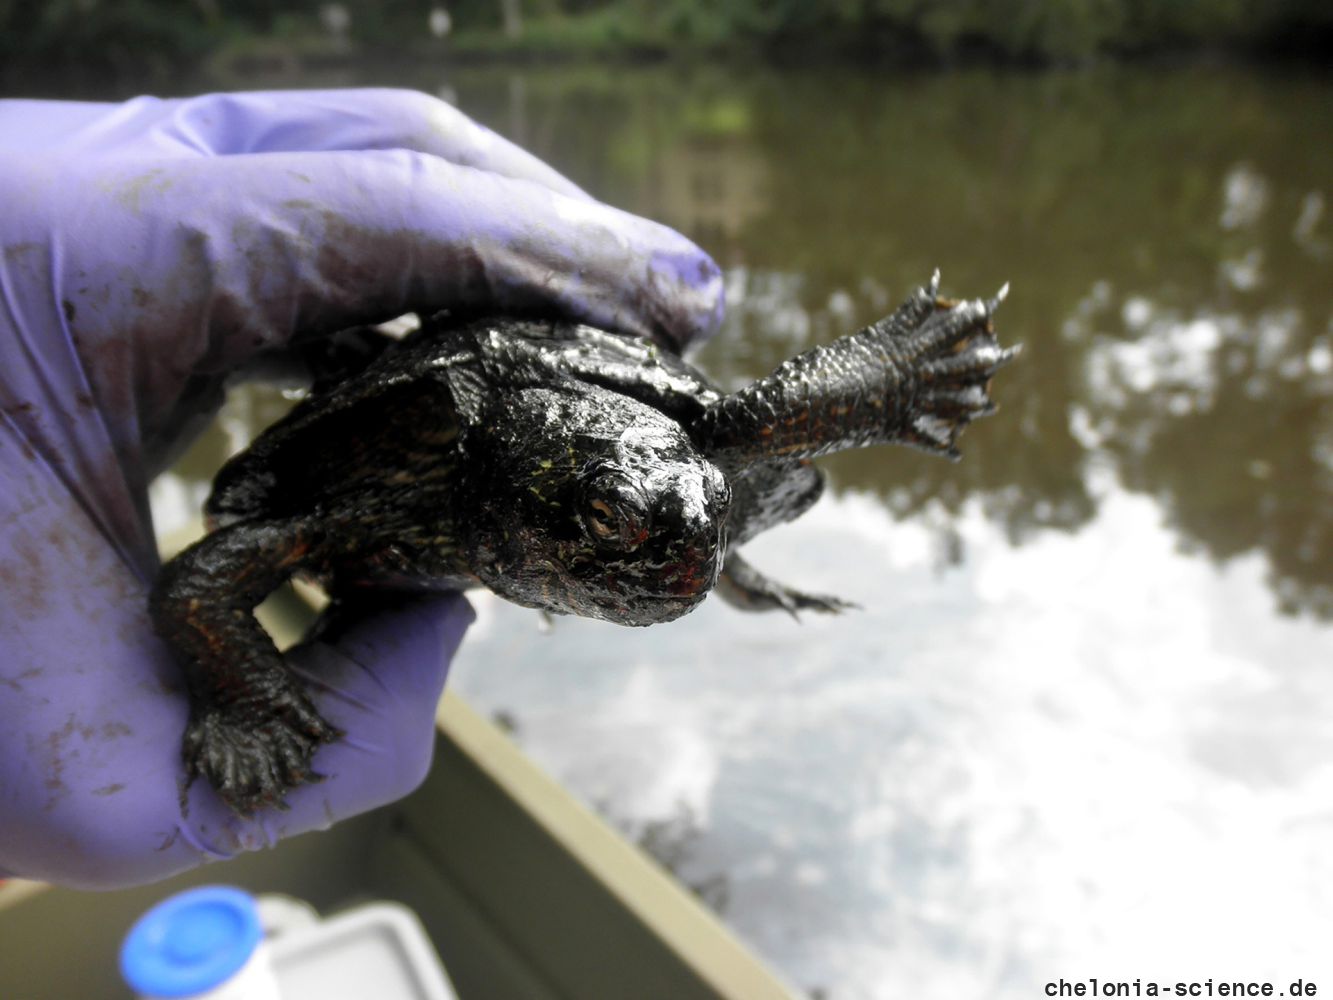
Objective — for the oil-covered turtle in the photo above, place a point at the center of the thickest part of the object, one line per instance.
(564, 467)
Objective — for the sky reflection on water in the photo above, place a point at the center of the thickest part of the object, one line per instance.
(1091, 753)
(1080, 725)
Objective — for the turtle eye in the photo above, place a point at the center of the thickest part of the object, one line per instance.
(616, 520)
(603, 522)
(613, 508)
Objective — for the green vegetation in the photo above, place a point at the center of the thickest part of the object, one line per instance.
(1030, 30)
(147, 38)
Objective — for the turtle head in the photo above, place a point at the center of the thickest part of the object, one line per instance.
(592, 503)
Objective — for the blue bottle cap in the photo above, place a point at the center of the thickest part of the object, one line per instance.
(191, 942)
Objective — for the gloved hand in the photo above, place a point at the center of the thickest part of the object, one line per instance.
(146, 250)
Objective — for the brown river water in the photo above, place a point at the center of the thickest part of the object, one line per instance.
(1081, 725)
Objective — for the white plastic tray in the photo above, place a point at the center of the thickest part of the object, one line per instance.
(377, 950)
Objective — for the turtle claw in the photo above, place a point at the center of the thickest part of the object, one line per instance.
(772, 596)
(824, 604)
(994, 302)
(253, 763)
(744, 587)
(932, 359)
(955, 354)
(779, 597)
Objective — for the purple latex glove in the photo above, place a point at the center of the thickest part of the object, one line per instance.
(146, 250)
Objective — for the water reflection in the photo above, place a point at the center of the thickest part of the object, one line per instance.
(1069, 731)
(1165, 235)
(1221, 420)
(1069, 734)
(1066, 755)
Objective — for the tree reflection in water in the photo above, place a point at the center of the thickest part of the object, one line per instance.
(1165, 235)
(1075, 745)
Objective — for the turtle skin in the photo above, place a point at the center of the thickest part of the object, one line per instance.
(565, 468)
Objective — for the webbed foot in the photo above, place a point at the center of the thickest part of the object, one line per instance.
(917, 377)
(951, 351)
(253, 755)
(744, 587)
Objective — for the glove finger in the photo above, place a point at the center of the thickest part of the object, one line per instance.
(393, 643)
(35, 126)
(276, 122)
(221, 259)
(400, 232)
(378, 679)
(380, 118)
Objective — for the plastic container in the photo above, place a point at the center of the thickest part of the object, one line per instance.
(220, 943)
(205, 944)
(376, 950)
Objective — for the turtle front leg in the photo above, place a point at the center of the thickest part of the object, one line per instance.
(252, 730)
(917, 377)
(744, 587)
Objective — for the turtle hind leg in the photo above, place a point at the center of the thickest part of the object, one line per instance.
(744, 587)
(252, 731)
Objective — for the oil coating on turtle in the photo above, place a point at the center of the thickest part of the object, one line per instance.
(563, 467)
